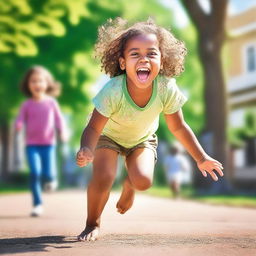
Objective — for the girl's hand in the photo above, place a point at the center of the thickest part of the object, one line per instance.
(84, 156)
(64, 136)
(210, 165)
(18, 126)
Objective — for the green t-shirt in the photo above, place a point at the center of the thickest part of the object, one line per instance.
(129, 124)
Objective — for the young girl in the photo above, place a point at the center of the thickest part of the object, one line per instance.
(141, 59)
(41, 115)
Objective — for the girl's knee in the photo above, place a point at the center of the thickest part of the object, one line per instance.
(142, 183)
(104, 181)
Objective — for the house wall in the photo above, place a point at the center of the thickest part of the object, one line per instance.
(242, 19)
(241, 84)
(236, 50)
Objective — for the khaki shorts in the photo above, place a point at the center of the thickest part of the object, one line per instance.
(106, 142)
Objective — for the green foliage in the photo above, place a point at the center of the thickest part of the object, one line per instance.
(237, 136)
(22, 21)
(64, 45)
(143, 9)
(191, 81)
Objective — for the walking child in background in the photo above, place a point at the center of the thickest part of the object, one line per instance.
(41, 116)
(177, 167)
(141, 60)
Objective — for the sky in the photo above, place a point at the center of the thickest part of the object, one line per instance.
(181, 18)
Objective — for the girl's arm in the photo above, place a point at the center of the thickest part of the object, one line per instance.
(60, 122)
(90, 138)
(19, 122)
(180, 129)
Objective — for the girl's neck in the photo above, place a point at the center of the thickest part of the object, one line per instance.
(135, 90)
(140, 96)
(39, 98)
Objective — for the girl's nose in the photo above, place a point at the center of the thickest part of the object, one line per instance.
(144, 59)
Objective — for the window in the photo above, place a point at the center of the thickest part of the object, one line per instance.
(251, 58)
(250, 152)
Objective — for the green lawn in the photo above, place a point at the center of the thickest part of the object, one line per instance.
(10, 189)
(164, 191)
(235, 200)
(188, 193)
(17, 182)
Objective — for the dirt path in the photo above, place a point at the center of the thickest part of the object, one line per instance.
(152, 227)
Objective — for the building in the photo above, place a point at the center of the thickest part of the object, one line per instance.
(241, 88)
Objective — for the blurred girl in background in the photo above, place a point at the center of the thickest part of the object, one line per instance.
(41, 116)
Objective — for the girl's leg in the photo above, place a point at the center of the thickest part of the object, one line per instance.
(49, 166)
(175, 185)
(140, 167)
(104, 172)
(35, 173)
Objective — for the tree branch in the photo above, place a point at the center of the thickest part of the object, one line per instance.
(195, 12)
(218, 13)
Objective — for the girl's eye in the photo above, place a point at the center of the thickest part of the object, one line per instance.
(134, 54)
(152, 54)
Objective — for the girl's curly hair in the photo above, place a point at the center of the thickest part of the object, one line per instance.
(53, 89)
(113, 36)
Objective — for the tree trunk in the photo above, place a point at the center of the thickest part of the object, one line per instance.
(4, 140)
(215, 96)
(211, 35)
(215, 107)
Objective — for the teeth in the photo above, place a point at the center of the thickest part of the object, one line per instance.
(143, 69)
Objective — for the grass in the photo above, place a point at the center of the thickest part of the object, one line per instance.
(189, 193)
(160, 191)
(164, 191)
(230, 200)
(11, 188)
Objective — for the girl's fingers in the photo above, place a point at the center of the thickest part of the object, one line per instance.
(80, 154)
(83, 162)
(204, 173)
(218, 165)
(219, 171)
(214, 176)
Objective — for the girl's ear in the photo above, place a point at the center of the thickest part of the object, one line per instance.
(162, 65)
(161, 68)
(122, 63)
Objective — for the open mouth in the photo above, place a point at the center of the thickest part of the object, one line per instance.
(143, 73)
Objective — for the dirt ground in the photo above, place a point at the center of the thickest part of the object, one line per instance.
(154, 226)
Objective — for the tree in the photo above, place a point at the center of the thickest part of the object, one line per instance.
(211, 35)
(40, 33)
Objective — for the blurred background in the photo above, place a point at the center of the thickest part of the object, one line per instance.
(219, 80)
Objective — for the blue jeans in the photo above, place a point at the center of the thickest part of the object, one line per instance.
(42, 164)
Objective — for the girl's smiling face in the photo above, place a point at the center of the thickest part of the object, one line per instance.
(38, 85)
(142, 60)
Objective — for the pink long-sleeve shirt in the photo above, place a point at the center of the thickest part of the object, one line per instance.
(41, 119)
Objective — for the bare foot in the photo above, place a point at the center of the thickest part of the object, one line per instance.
(126, 199)
(89, 234)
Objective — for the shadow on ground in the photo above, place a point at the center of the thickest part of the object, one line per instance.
(47, 243)
(34, 244)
